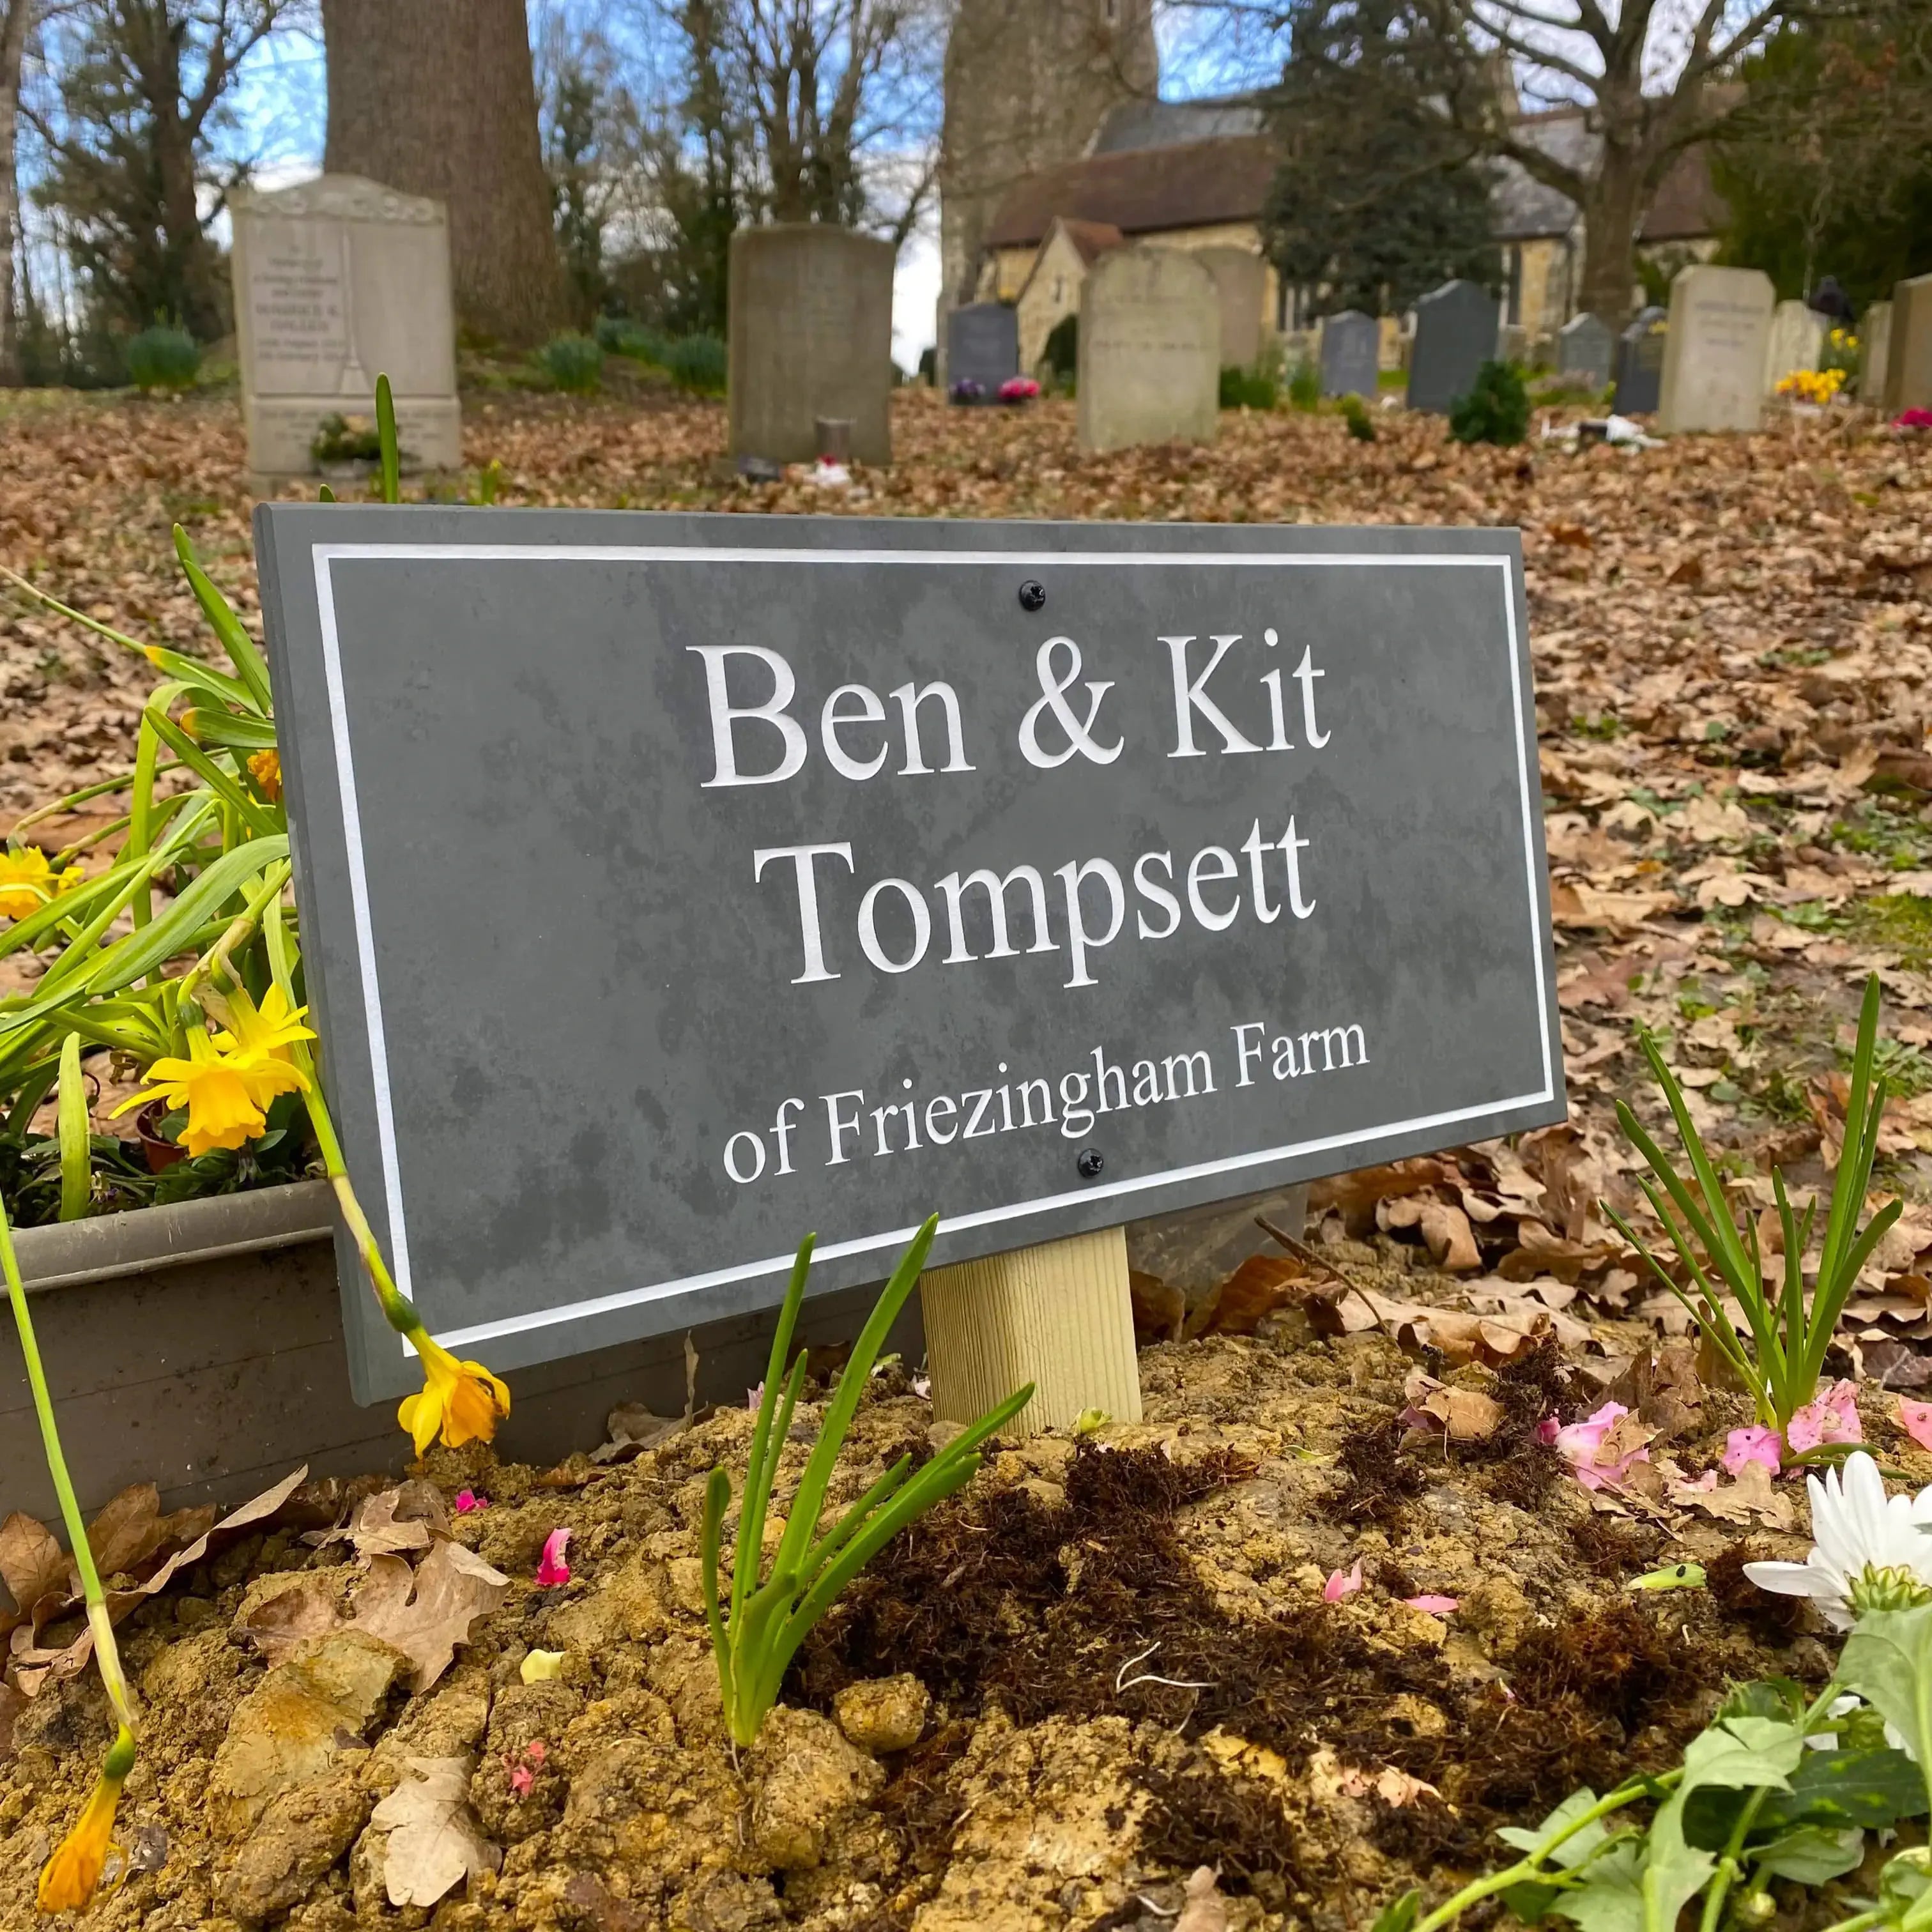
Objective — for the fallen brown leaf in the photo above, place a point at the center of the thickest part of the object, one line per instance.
(432, 1840)
(426, 1612)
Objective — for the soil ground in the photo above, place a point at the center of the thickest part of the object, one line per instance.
(1122, 1664)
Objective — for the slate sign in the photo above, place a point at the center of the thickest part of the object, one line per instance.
(673, 884)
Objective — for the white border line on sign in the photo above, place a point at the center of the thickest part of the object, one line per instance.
(325, 555)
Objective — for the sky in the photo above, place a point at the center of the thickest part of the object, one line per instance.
(281, 95)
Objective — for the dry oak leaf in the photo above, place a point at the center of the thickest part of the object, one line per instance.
(434, 1841)
(427, 1612)
(1748, 1500)
(32, 1563)
(1467, 1414)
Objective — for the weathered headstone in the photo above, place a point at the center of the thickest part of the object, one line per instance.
(982, 346)
(1874, 352)
(1241, 279)
(1051, 876)
(1797, 340)
(1908, 368)
(1456, 333)
(1351, 344)
(1640, 362)
(1585, 349)
(338, 281)
(811, 335)
(1150, 350)
(1714, 354)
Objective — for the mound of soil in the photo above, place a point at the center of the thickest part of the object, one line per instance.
(1104, 1664)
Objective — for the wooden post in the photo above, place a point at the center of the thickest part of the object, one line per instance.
(1059, 1316)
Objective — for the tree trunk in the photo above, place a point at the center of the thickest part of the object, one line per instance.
(437, 97)
(1613, 209)
(13, 49)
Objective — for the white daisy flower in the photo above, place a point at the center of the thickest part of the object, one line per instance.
(1871, 1552)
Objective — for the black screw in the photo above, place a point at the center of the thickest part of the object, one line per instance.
(1090, 1163)
(1033, 597)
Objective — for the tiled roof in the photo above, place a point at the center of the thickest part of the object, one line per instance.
(1092, 239)
(1195, 183)
(1141, 191)
(1687, 207)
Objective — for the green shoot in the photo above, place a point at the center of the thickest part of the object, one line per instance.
(1780, 1359)
(69, 1879)
(757, 1629)
(76, 1148)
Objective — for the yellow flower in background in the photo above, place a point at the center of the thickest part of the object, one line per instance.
(71, 1878)
(462, 1402)
(221, 1110)
(267, 768)
(1817, 386)
(257, 1048)
(28, 882)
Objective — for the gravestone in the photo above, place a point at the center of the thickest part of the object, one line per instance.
(982, 346)
(1797, 340)
(1150, 350)
(1908, 368)
(811, 329)
(1351, 351)
(1241, 282)
(1874, 352)
(1512, 344)
(1714, 353)
(1051, 875)
(1585, 350)
(1456, 333)
(1640, 363)
(338, 281)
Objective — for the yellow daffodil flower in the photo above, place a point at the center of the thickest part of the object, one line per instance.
(28, 882)
(69, 1879)
(222, 1111)
(267, 768)
(257, 1045)
(461, 1401)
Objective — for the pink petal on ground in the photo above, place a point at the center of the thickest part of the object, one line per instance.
(1436, 1607)
(465, 1501)
(552, 1572)
(1547, 1431)
(1754, 1444)
(521, 1778)
(1580, 1442)
(1831, 1417)
(1346, 1582)
(1916, 1419)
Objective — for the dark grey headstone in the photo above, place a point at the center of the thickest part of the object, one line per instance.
(1351, 354)
(982, 346)
(1640, 363)
(1456, 330)
(595, 1079)
(1586, 350)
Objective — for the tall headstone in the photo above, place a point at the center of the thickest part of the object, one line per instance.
(983, 345)
(1640, 363)
(1874, 352)
(1797, 340)
(1351, 350)
(1150, 350)
(1908, 367)
(1456, 333)
(338, 281)
(811, 335)
(1585, 349)
(1241, 282)
(1714, 355)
